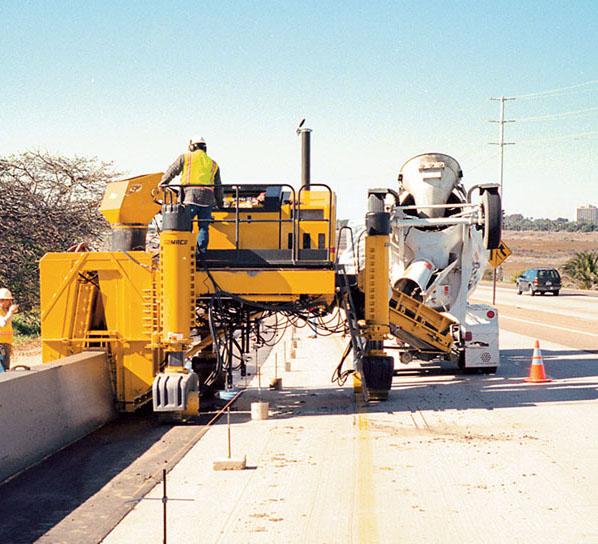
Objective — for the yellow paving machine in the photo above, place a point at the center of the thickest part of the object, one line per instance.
(175, 329)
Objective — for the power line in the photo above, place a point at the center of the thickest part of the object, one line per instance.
(481, 162)
(557, 116)
(578, 136)
(560, 91)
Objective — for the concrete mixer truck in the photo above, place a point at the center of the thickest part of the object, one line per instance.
(440, 236)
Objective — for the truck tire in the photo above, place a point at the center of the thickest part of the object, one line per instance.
(556, 293)
(492, 211)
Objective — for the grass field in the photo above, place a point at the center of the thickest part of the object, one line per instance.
(544, 249)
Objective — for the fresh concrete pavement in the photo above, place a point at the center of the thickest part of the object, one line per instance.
(449, 458)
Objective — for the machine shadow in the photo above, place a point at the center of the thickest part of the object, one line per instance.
(440, 388)
(44, 495)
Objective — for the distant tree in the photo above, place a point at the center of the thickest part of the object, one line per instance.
(517, 222)
(583, 269)
(49, 203)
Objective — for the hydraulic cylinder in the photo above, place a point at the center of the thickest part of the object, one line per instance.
(177, 269)
(376, 284)
(375, 367)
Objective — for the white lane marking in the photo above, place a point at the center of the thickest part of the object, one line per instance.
(577, 298)
(548, 305)
(520, 305)
(548, 326)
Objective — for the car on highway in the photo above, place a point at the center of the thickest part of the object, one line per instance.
(539, 280)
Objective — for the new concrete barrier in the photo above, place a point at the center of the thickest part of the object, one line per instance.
(51, 406)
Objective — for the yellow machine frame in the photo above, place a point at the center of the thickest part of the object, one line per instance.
(140, 305)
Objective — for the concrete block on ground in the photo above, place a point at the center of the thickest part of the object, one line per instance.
(259, 410)
(230, 463)
(51, 406)
(276, 384)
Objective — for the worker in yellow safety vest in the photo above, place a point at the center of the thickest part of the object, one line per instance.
(7, 310)
(201, 185)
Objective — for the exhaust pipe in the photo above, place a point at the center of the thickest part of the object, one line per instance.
(305, 135)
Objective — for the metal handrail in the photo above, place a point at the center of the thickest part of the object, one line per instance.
(169, 198)
(329, 220)
(280, 220)
(338, 243)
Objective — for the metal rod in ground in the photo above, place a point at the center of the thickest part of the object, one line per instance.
(276, 365)
(164, 501)
(494, 287)
(258, 372)
(228, 428)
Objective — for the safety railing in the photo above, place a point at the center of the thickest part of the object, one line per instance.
(173, 194)
(324, 219)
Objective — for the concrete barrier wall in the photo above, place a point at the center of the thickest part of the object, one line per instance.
(51, 406)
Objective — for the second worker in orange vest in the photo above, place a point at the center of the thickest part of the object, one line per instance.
(201, 185)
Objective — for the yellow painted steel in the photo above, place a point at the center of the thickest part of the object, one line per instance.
(421, 321)
(137, 305)
(259, 229)
(252, 235)
(114, 310)
(177, 268)
(281, 284)
(317, 230)
(130, 202)
(376, 282)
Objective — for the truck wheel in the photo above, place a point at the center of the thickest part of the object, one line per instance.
(556, 293)
(492, 211)
(489, 370)
(532, 292)
(519, 291)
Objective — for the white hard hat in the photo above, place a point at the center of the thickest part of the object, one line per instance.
(197, 140)
(5, 294)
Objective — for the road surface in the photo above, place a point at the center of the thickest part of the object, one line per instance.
(448, 458)
(570, 318)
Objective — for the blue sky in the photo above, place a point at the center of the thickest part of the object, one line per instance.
(377, 81)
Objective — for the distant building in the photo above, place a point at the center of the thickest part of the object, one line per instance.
(587, 214)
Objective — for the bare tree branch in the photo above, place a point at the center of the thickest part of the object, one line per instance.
(49, 203)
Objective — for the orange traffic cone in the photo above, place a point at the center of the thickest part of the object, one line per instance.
(536, 371)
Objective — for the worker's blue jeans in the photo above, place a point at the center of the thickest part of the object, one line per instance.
(204, 216)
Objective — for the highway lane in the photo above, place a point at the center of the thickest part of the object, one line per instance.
(448, 458)
(570, 319)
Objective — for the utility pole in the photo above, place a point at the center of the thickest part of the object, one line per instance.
(501, 143)
(501, 137)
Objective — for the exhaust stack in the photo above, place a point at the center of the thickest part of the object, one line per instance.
(305, 135)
